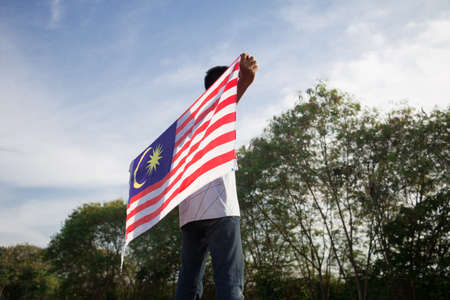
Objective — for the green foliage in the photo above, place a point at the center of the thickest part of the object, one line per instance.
(337, 202)
(320, 187)
(420, 248)
(85, 254)
(296, 173)
(419, 240)
(272, 284)
(156, 256)
(24, 274)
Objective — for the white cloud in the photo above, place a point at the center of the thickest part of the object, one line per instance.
(55, 13)
(45, 143)
(181, 76)
(29, 223)
(436, 33)
(83, 145)
(380, 52)
(414, 68)
(304, 16)
(44, 151)
(251, 122)
(35, 220)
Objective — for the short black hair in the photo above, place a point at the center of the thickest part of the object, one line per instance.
(213, 74)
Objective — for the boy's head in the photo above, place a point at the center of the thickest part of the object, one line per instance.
(213, 74)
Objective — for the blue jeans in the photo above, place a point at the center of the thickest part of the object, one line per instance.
(222, 237)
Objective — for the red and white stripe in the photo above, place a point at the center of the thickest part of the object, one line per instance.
(204, 150)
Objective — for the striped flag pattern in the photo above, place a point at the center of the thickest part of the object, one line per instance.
(196, 149)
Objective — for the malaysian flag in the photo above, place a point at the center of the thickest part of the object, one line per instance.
(196, 149)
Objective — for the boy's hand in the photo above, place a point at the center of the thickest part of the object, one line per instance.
(248, 68)
(247, 71)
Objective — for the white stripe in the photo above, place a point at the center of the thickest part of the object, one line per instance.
(228, 93)
(212, 135)
(209, 176)
(207, 92)
(212, 118)
(194, 119)
(215, 85)
(224, 148)
(197, 136)
(185, 128)
(216, 133)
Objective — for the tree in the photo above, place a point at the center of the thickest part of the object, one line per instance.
(407, 158)
(24, 274)
(327, 177)
(302, 191)
(334, 200)
(156, 258)
(85, 254)
(419, 243)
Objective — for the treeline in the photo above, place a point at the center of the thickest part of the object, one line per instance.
(337, 202)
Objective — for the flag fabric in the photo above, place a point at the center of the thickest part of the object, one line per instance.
(196, 149)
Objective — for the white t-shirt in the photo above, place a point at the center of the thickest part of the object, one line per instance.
(215, 200)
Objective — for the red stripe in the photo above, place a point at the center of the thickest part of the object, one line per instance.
(213, 163)
(200, 129)
(224, 138)
(205, 167)
(200, 118)
(230, 84)
(224, 103)
(236, 67)
(219, 107)
(149, 189)
(188, 143)
(205, 101)
(228, 118)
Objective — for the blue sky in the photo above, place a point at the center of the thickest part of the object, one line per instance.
(86, 85)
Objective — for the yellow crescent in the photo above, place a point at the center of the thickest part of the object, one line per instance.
(136, 184)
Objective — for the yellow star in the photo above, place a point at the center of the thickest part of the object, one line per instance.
(153, 162)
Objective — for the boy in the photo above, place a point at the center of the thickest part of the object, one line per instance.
(209, 220)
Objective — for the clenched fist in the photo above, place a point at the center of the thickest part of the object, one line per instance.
(248, 68)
